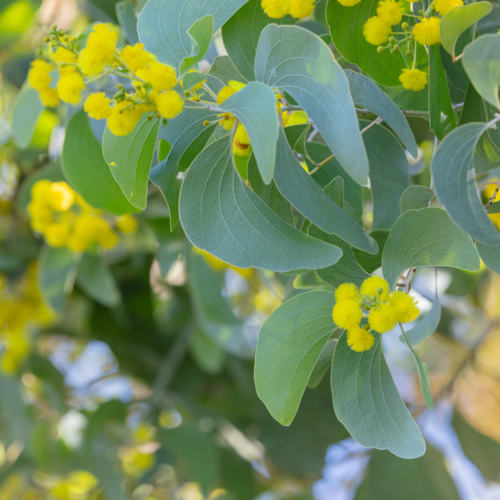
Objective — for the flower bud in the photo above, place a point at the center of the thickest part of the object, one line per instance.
(409, 53)
(53, 27)
(206, 123)
(405, 26)
(392, 39)
(380, 49)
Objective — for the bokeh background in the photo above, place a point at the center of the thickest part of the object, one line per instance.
(151, 396)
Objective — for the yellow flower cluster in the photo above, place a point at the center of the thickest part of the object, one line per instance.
(384, 311)
(136, 460)
(21, 307)
(299, 9)
(77, 485)
(151, 89)
(66, 220)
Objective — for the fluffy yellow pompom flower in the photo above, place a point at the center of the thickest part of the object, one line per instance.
(376, 31)
(390, 11)
(241, 142)
(91, 63)
(127, 224)
(404, 306)
(102, 40)
(62, 55)
(70, 87)
(383, 318)
(136, 57)
(348, 3)
(301, 8)
(98, 106)
(347, 314)
(49, 97)
(57, 235)
(123, 118)
(39, 74)
(347, 291)
(159, 75)
(444, 6)
(169, 104)
(426, 32)
(359, 340)
(413, 79)
(225, 93)
(371, 286)
(276, 9)
(60, 196)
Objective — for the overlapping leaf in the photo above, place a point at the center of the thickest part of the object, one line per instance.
(25, 113)
(415, 198)
(428, 325)
(201, 36)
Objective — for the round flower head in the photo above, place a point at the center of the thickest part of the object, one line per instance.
(347, 291)
(383, 318)
(225, 93)
(301, 8)
(371, 286)
(124, 117)
(426, 32)
(49, 97)
(241, 142)
(390, 11)
(98, 106)
(39, 74)
(276, 8)
(57, 235)
(347, 314)
(348, 3)
(127, 224)
(91, 63)
(376, 31)
(62, 55)
(169, 104)
(60, 197)
(413, 79)
(359, 340)
(404, 306)
(444, 6)
(70, 87)
(102, 41)
(136, 57)
(159, 75)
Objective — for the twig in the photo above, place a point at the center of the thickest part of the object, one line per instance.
(492, 199)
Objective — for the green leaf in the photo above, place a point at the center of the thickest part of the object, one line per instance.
(97, 281)
(308, 198)
(490, 255)
(126, 14)
(454, 178)
(290, 343)
(255, 107)
(322, 365)
(456, 21)
(296, 135)
(129, 157)
(201, 33)
(187, 136)
(241, 35)
(494, 208)
(300, 63)
(224, 69)
(426, 237)
(367, 401)
(86, 170)
(25, 113)
(207, 354)
(346, 25)
(427, 326)
(481, 61)
(441, 115)
(415, 198)
(366, 94)
(190, 80)
(423, 374)
(57, 272)
(389, 175)
(163, 25)
(372, 262)
(220, 214)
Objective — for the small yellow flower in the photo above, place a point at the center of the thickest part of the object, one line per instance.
(444, 6)
(376, 31)
(127, 224)
(348, 3)
(124, 117)
(57, 235)
(49, 97)
(241, 142)
(136, 57)
(413, 79)
(359, 340)
(70, 88)
(383, 318)
(390, 11)
(60, 197)
(404, 306)
(98, 106)
(159, 75)
(372, 286)
(62, 55)
(40, 191)
(100, 47)
(276, 9)
(347, 291)
(170, 104)
(301, 8)
(426, 32)
(347, 314)
(225, 93)
(91, 63)
(39, 74)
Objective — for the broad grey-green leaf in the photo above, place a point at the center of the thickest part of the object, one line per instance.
(220, 214)
(372, 262)
(308, 198)
(426, 237)
(126, 14)
(183, 131)
(201, 36)
(57, 270)
(415, 198)
(129, 157)
(191, 80)
(297, 61)
(241, 35)
(367, 402)
(481, 62)
(427, 326)
(389, 174)
(457, 20)
(490, 256)
(367, 94)
(290, 343)
(25, 113)
(454, 178)
(423, 374)
(322, 365)
(97, 281)
(224, 69)
(494, 208)
(255, 107)
(86, 170)
(163, 24)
